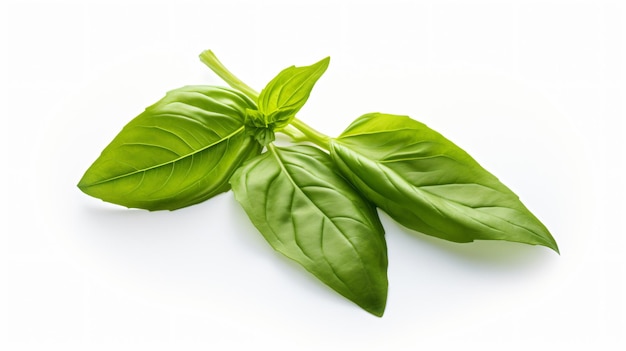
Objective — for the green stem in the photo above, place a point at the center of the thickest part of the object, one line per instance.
(294, 134)
(209, 59)
(317, 138)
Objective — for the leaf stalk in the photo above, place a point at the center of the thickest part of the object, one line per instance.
(320, 139)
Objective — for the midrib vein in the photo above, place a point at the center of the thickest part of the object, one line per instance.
(240, 129)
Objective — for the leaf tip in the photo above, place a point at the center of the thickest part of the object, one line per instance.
(376, 302)
(377, 309)
(83, 185)
(555, 248)
(550, 243)
(323, 63)
(378, 313)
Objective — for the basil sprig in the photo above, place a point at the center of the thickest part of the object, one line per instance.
(314, 204)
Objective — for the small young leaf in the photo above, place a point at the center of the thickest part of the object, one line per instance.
(285, 95)
(257, 127)
(309, 213)
(180, 151)
(427, 183)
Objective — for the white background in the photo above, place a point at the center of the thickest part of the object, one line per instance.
(534, 90)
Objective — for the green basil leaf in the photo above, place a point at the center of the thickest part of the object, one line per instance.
(309, 213)
(285, 95)
(180, 151)
(427, 183)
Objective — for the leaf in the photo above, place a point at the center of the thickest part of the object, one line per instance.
(180, 151)
(427, 183)
(309, 213)
(285, 95)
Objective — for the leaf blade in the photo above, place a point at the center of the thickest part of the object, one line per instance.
(286, 93)
(427, 183)
(178, 152)
(308, 213)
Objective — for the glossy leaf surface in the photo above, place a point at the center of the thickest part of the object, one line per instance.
(180, 151)
(285, 95)
(427, 183)
(309, 213)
